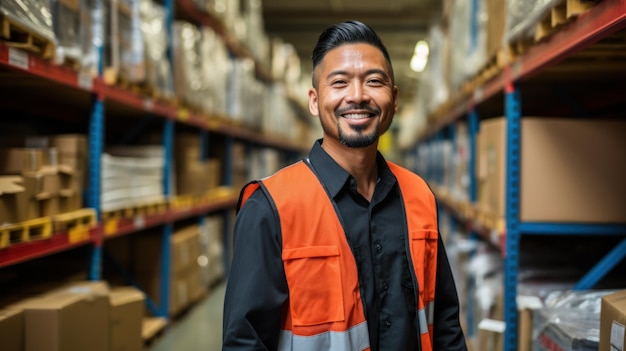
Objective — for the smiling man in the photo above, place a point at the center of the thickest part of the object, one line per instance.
(341, 251)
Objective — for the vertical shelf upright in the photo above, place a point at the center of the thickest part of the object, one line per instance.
(511, 256)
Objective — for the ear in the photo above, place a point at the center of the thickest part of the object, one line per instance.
(395, 100)
(313, 106)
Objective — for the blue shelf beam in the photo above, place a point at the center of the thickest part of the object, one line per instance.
(603, 267)
(168, 146)
(528, 228)
(96, 137)
(168, 231)
(511, 262)
(473, 132)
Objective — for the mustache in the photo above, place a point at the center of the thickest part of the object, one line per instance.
(351, 107)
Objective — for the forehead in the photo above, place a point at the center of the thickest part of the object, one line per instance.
(354, 55)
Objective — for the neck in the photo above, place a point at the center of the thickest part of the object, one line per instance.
(359, 162)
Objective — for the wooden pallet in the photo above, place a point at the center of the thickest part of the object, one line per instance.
(152, 328)
(15, 34)
(492, 67)
(563, 12)
(83, 218)
(142, 209)
(23, 232)
(182, 202)
(147, 209)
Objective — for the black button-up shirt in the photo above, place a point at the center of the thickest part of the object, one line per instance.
(376, 232)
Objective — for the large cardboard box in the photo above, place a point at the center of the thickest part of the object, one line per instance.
(185, 249)
(12, 330)
(96, 294)
(571, 170)
(127, 312)
(613, 322)
(65, 322)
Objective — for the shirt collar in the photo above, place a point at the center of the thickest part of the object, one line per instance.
(333, 176)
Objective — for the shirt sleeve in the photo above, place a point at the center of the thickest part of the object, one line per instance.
(257, 288)
(448, 334)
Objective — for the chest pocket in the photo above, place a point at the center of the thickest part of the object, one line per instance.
(315, 289)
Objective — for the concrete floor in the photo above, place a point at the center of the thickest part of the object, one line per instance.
(200, 329)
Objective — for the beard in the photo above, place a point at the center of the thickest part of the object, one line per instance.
(359, 140)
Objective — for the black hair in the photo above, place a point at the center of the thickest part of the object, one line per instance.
(350, 32)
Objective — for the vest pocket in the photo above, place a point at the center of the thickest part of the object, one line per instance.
(424, 255)
(314, 278)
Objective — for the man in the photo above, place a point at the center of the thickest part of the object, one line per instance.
(341, 251)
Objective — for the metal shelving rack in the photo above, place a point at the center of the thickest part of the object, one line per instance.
(606, 18)
(27, 66)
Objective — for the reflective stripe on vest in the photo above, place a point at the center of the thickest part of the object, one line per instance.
(325, 310)
(355, 338)
(426, 317)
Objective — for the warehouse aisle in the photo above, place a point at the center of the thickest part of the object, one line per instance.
(200, 329)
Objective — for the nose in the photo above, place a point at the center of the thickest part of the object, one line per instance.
(357, 93)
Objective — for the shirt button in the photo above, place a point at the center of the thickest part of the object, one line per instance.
(385, 286)
(379, 247)
(388, 323)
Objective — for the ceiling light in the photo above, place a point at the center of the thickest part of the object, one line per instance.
(420, 56)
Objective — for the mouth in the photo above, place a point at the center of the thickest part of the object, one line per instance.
(357, 115)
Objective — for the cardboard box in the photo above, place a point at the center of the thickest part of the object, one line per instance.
(185, 248)
(571, 170)
(12, 330)
(65, 322)
(17, 200)
(70, 144)
(613, 322)
(20, 160)
(127, 312)
(96, 294)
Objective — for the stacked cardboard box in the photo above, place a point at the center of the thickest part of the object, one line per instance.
(612, 322)
(44, 178)
(571, 170)
(76, 317)
(127, 306)
(186, 282)
(194, 176)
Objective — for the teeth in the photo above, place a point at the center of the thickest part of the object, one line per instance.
(356, 115)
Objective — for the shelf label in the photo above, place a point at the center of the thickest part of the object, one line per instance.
(18, 58)
(617, 336)
(110, 226)
(148, 104)
(78, 234)
(140, 222)
(85, 80)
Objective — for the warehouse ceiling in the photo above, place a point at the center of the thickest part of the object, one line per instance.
(400, 24)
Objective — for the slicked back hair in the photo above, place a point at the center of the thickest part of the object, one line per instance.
(350, 32)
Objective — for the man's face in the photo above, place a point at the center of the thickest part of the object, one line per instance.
(354, 97)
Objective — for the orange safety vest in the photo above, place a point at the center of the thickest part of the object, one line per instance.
(325, 311)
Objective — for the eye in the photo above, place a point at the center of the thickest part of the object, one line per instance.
(338, 83)
(375, 82)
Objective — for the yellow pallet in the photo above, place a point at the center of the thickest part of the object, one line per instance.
(22, 232)
(85, 217)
